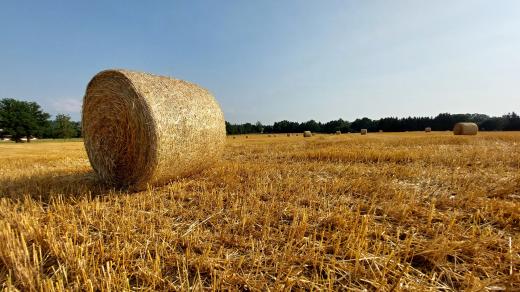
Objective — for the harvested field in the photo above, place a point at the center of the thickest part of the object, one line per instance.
(408, 211)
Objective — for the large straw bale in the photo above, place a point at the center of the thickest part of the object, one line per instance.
(338, 132)
(465, 129)
(427, 129)
(364, 131)
(141, 129)
(307, 134)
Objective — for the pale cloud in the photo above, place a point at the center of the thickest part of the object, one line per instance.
(67, 105)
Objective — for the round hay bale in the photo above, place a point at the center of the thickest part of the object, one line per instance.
(141, 129)
(338, 132)
(307, 134)
(427, 129)
(288, 135)
(380, 131)
(364, 131)
(465, 129)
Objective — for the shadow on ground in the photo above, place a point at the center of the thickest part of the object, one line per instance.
(45, 187)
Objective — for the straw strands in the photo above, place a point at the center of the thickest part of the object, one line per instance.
(142, 129)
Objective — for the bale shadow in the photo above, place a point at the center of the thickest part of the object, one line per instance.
(46, 187)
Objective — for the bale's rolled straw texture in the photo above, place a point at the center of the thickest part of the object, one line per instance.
(307, 134)
(141, 129)
(465, 129)
(364, 131)
(427, 129)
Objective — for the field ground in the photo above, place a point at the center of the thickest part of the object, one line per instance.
(408, 211)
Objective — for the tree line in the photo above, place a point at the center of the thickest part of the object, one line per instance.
(23, 119)
(441, 122)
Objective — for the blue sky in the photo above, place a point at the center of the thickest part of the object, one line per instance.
(273, 60)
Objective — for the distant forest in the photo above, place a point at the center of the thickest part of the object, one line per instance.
(19, 119)
(442, 122)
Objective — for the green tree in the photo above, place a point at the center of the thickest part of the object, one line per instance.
(63, 127)
(22, 119)
(259, 127)
(77, 128)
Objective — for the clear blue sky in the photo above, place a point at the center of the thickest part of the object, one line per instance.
(274, 60)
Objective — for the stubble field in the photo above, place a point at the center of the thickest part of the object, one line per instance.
(408, 211)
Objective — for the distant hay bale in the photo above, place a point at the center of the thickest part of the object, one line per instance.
(338, 132)
(269, 136)
(307, 134)
(364, 131)
(380, 131)
(141, 129)
(465, 129)
(247, 137)
(427, 129)
(288, 135)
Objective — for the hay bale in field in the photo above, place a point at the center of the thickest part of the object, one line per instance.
(364, 131)
(307, 134)
(247, 137)
(427, 129)
(288, 135)
(338, 132)
(269, 136)
(465, 129)
(141, 129)
(380, 131)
